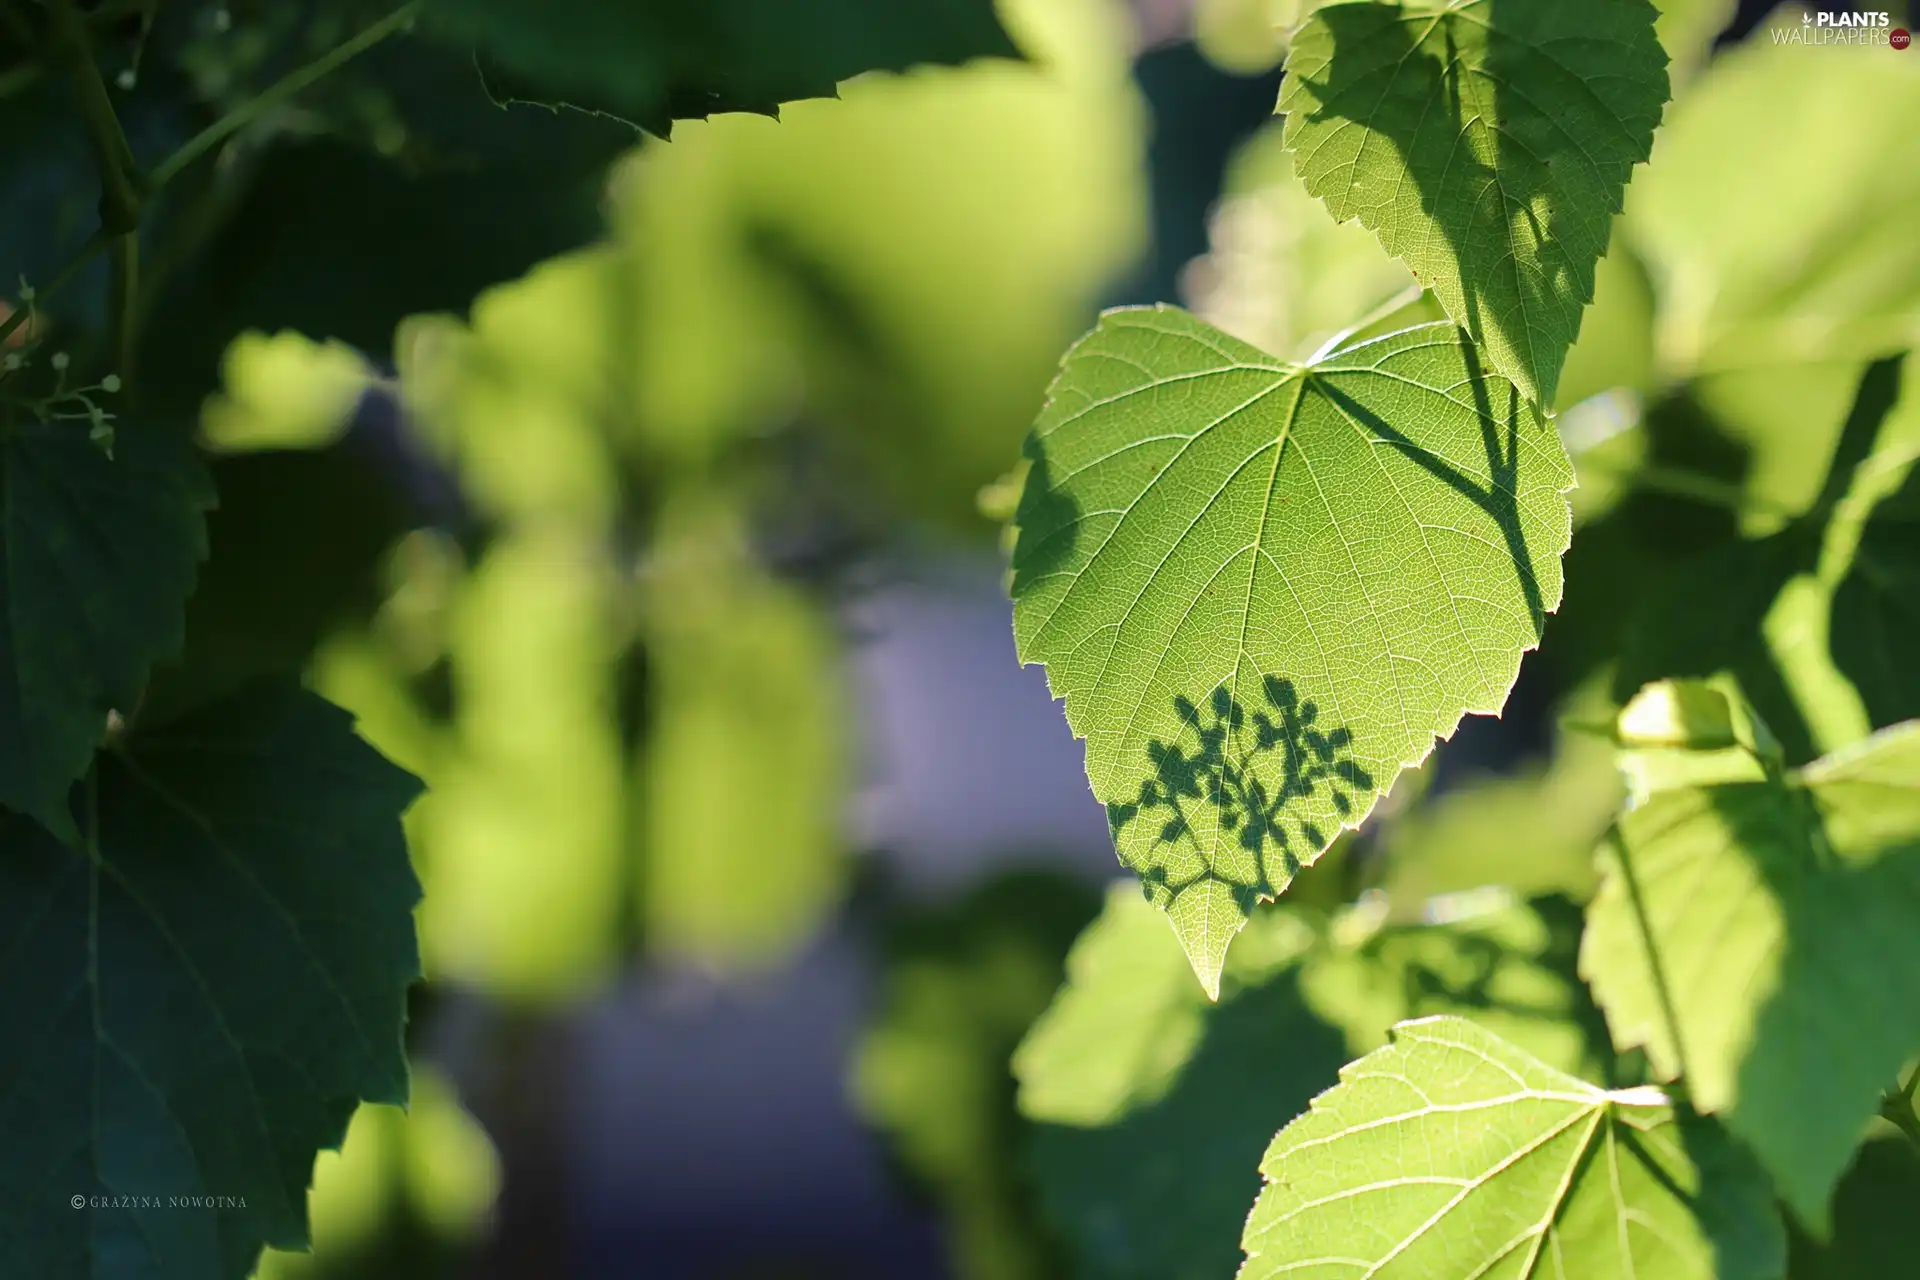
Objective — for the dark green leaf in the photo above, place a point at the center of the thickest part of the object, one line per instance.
(97, 557)
(654, 63)
(195, 1003)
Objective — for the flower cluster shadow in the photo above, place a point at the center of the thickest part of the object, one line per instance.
(1248, 769)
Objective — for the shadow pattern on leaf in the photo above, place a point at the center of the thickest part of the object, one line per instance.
(1245, 769)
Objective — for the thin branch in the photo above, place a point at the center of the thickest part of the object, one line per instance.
(119, 200)
(61, 279)
(286, 87)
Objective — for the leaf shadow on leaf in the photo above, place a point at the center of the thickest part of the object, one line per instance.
(1876, 608)
(1048, 519)
(1242, 771)
(1812, 1071)
(1375, 56)
(1499, 496)
(1705, 616)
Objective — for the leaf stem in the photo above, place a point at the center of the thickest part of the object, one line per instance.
(119, 196)
(1896, 1107)
(286, 87)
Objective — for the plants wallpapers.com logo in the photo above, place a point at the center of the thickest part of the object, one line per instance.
(1844, 28)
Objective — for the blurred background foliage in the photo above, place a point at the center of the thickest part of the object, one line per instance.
(560, 457)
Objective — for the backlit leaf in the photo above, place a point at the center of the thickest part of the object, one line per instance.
(1770, 921)
(1264, 588)
(1487, 143)
(1452, 1153)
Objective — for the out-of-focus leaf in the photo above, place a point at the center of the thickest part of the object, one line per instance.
(198, 1001)
(283, 391)
(1281, 274)
(962, 983)
(743, 775)
(903, 266)
(655, 63)
(1487, 145)
(1510, 969)
(1675, 734)
(316, 214)
(519, 401)
(1532, 831)
(1382, 1172)
(99, 550)
(1796, 245)
(1154, 1103)
(521, 839)
(1872, 1217)
(431, 1162)
(1687, 29)
(1615, 346)
(1264, 589)
(1764, 609)
(1246, 37)
(1754, 937)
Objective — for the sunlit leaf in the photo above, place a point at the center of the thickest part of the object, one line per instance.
(1487, 143)
(743, 776)
(1755, 937)
(283, 391)
(1155, 1104)
(197, 1002)
(1264, 588)
(1451, 1152)
(1776, 210)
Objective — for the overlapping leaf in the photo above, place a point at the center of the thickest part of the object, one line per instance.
(656, 63)
(194, 1005)
(1756, 938)
(1451, 1153)
(97, 557)
(1154, 1104)
(1487, 143)
(1264, 588)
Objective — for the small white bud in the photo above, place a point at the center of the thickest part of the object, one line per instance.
(222, 21)
(12, 362)
(127, 78)
(110, 383)
(59, 362)
(26, 292)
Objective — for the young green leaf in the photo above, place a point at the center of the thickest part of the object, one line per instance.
(1451, 1153)
(195, 1003)
(1264, 588)
(652, 64)
(1487, 143)
(97, 557)
(1756, 938)
(1154, 1104)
